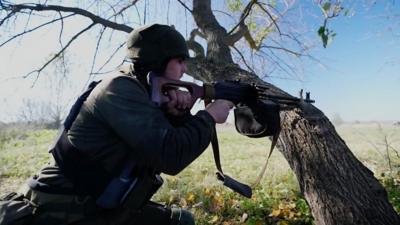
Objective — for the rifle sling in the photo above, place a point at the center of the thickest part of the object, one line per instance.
(231, 183)
(262, 172)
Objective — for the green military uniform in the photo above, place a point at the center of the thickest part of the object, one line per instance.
(118, 123)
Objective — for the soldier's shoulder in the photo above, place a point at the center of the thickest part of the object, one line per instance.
(121, 81)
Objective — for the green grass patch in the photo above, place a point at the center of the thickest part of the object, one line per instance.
(23, 155)
(276, 200)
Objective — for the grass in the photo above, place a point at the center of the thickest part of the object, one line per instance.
(277, 200)
(22, 155)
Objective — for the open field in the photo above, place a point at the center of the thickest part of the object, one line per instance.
(276, 200)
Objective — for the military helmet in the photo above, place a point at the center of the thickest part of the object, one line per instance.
(152, 45)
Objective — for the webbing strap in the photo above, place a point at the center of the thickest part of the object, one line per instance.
(231, 183)
(262, 172)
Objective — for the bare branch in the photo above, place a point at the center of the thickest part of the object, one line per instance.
(225, 13)
(186, 7)
(39, 7)
(244, 60)
(12, 13)
(110, 58)
(38, 71)
(297, 54)
(278, 61)
(61, 29)
(245, 14)
(97, 49)
(125, 8)
(270, 16)
(33, 29)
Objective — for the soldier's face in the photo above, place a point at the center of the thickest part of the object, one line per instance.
(176, 67)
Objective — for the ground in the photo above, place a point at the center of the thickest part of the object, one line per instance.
(276, 200)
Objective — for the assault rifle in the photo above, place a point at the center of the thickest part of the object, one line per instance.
(256, 112)
(235, 91)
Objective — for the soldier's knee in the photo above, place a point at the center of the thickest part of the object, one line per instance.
(182, 217)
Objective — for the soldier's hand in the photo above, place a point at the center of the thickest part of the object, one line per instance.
(219, 110)
(179, 102)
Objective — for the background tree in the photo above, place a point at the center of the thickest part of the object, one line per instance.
(338, 188)
(49, 112)
(337, 119)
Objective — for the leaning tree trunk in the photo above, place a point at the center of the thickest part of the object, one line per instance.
(339, 189)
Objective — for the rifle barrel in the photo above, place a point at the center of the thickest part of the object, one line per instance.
(284, 99)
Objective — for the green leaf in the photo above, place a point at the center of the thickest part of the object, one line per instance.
(326, 6)
(346, 12)
(252, 26)
(321, 31)
(234, 5)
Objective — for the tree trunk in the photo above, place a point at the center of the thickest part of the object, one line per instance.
(339, 189)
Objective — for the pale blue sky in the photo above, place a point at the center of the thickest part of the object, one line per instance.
(360, 79)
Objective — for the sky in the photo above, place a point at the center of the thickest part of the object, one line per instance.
(358, 76)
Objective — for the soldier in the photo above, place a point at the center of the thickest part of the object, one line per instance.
(120, 141)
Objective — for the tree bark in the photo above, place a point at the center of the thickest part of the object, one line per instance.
(337, 186)
(339, 189)
(217, 46)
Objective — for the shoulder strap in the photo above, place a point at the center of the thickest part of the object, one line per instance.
(76, 107)
(87, 175)
(231, 183)
(262, 172)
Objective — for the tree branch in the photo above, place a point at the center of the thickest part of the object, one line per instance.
(196, 32)
(243, 59)
(38, 71)
(33, 29)
(125, 8)
(217, 49)
(270, 16)
(186, 7)
(39, 7)
(245, 14)
(110, 58)
(196, 48)
(194, 45)
(97, 49)
(242, 31)
(297, 54)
